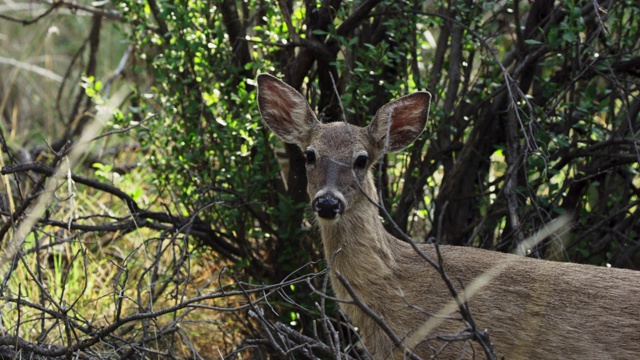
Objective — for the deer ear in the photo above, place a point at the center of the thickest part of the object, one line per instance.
(400, 122)
(284, 110)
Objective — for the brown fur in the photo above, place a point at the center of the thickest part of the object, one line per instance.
(532, 309)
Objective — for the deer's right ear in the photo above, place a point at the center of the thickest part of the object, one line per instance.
(285, 111)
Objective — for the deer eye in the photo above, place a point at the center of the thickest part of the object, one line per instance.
(310, 156)
(361, 162)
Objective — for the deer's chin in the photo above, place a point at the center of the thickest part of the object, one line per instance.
(328, 220)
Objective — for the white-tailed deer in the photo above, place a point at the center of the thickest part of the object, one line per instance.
(532, 309)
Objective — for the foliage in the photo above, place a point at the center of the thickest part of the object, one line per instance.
(535, 114)
(557, 79)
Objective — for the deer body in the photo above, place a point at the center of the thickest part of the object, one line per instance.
(533, 309)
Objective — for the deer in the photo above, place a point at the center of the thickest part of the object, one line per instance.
(402, 308)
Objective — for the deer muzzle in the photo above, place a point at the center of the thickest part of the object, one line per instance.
(327, 206)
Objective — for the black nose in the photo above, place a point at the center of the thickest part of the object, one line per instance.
(327, 206)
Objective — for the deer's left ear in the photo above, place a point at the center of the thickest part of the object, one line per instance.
(400, 122)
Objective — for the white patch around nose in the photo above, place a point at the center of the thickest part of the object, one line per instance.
(330, 190)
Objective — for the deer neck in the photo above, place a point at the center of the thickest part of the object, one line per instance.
(358, 247)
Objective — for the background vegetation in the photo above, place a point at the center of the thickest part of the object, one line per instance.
(180, 230)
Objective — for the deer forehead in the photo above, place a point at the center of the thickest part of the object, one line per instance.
(340, 141)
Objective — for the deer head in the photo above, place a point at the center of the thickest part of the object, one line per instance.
(339, 156)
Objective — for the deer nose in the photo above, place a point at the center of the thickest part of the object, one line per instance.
(327, 206)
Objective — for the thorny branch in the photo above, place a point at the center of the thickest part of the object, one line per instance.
(471, 333)
(94, 334)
